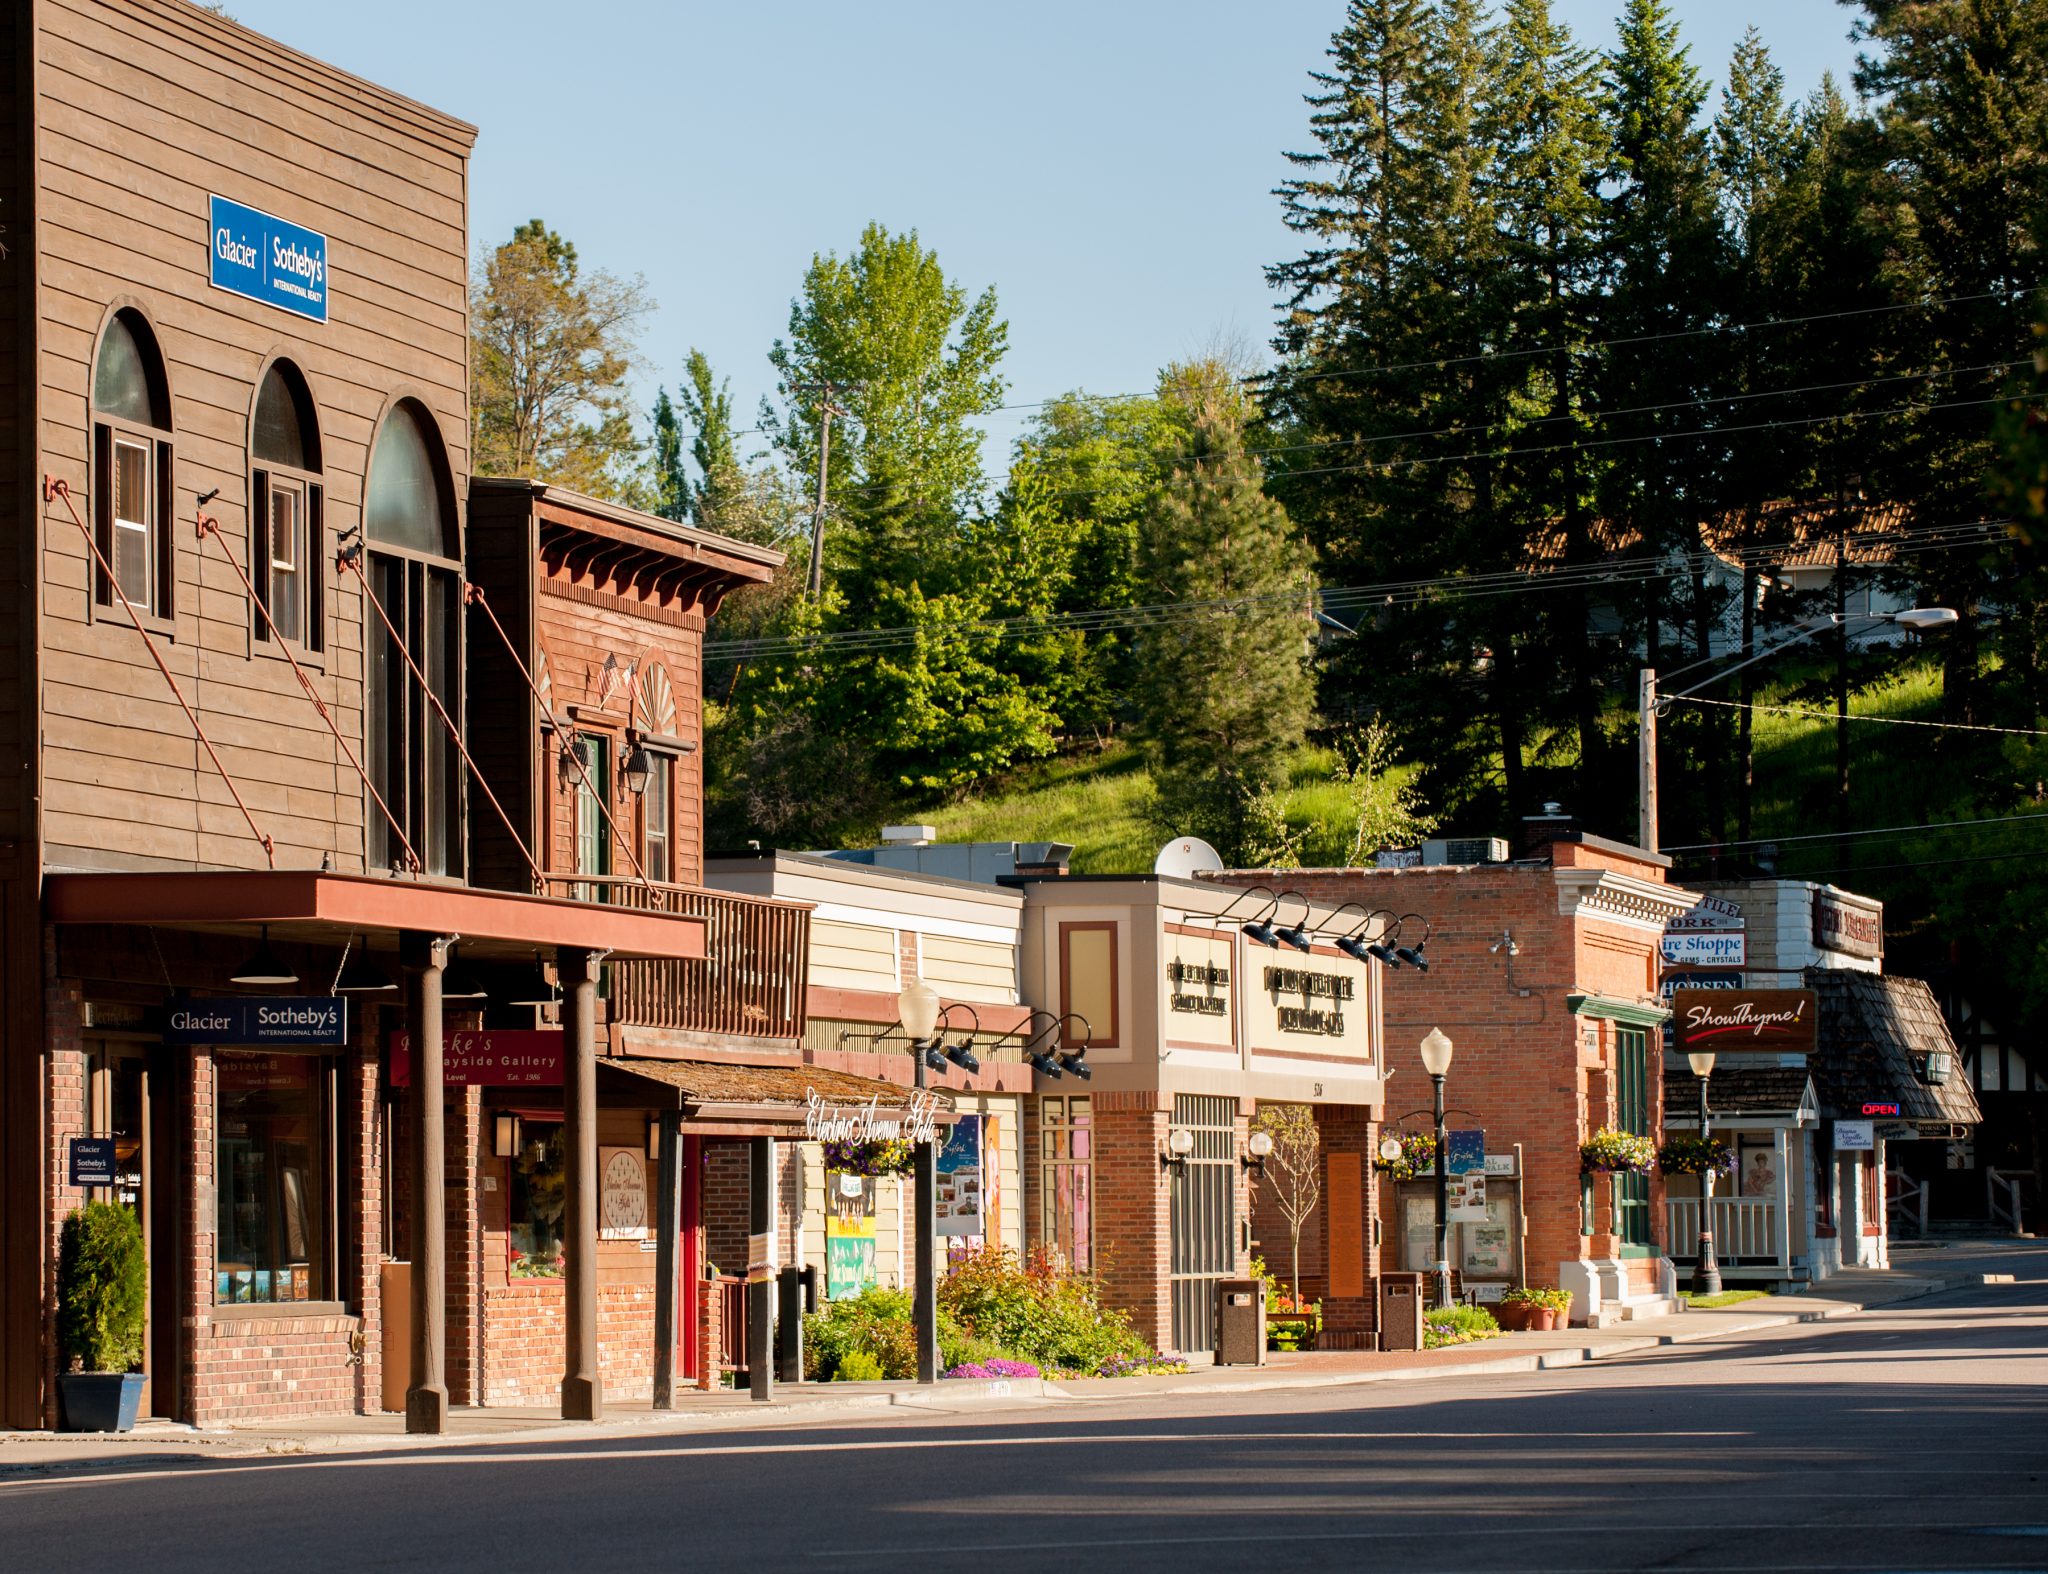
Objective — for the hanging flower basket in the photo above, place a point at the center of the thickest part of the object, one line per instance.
(887, 1156)
(1695, 1156)
(1611, 1152)
(1418, 1156)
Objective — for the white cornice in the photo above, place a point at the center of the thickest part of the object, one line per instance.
(1620, 899)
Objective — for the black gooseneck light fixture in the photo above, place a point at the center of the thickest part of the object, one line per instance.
(1412, 955)
(960, 1054)
(1075, 1061)
(1297, 934)
(1258, 928)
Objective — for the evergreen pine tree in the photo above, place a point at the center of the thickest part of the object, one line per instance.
(1224, 690)
(670, 482)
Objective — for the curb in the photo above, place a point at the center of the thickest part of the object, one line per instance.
(123, 1450)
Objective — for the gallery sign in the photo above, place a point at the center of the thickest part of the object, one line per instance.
(1846, 924)
(267, 259)
(1730, 1019)
(305, 1021)
(1200, 988)
(488, 1058)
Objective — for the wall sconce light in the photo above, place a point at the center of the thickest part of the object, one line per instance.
(1180, 1142)
(1506, 943)
(1412, 955)
(505, 1135)
(638, 766)
(1297, 934)
(1258, 1148)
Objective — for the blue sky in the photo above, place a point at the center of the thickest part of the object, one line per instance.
(1107, 166)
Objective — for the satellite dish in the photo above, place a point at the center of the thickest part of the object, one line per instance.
(1187, 858)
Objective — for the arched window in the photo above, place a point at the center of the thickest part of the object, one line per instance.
(131, 457)
(288, 545)
(415, 572)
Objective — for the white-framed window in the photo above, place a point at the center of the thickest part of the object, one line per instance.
(287, 551)
(657, 817)
(131, 442)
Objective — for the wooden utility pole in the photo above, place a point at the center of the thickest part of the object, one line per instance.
(815, 584)
(1646, 760)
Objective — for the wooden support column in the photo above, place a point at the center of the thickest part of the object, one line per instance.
(668, 1230)
(422, 957)
(582, 1388)
(760, 1264)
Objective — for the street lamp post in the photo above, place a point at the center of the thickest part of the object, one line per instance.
(1706, 1268)
(1650, 700)
(1436, 1060)
(918, 1009)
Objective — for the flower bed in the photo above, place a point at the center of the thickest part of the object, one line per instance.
(995, 1368)
(1448, 1325)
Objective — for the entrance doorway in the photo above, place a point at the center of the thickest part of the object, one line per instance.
(1202, 1217)
(129, 1100)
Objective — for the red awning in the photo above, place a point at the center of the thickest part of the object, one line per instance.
(321, 908)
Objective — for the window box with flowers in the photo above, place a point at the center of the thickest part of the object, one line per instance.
(1611, 1152)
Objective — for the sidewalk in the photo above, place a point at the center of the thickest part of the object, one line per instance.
(157, 1444)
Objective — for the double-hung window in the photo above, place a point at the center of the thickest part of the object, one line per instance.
(657, 817)
(1632, 1099)
(131, 443)
(289, 554)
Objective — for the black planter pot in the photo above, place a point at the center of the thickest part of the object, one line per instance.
(98, 1401)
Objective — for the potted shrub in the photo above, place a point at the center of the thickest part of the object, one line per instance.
(102, 1285)
(1555, 1310)
(1518, 1309)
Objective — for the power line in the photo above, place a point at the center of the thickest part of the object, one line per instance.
(1914, 863)
(1391, 593)
(1881, 830)
(1889, 721)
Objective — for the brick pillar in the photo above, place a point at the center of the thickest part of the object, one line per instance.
(67, 1098)
(709, 1334)
(1132, 1227)
(1347, 1134)
(464, 1164)
(203, 1397)
(362, 1195)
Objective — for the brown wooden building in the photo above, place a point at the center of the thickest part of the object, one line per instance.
(270, 751)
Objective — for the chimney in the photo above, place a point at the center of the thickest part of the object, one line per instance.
(1553, 824)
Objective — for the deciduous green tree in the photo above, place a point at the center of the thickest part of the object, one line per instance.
(550, 350)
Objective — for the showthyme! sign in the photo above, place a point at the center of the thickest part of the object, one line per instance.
(1731, 1019)
(869, 1122)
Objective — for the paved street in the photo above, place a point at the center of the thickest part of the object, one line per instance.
(1913, 1438)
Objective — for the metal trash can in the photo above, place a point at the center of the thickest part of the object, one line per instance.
(1401, 1310)
(1240, 1322)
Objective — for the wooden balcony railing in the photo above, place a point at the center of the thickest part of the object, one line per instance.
(751, 981)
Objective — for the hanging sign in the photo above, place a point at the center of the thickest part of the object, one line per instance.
(1725, 1019)
(1465, 1199)
(489, 1058)
(1855, 1136)
(92, 1161)
(266, 258)
(1672, 982)
(849, 1234)
(960, 1180)
(869, 1122)
(1851, 925)
(312, 1021)
(1467, 1152)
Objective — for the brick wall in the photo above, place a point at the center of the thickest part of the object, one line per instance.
(1132, 1233)
(725, 1206)
(66, 1096)
(523, 1338)
(1520, 1065)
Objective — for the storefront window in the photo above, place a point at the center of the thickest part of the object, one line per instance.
(1067, 1179)
(271, 1179)
(1632, 1192)
(539, 1195)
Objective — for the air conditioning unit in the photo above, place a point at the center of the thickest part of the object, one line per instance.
(1465, 850)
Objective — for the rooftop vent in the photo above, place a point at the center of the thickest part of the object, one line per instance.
(908, 835)
(1465, 850)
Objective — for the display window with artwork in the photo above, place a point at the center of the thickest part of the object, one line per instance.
(272, 1181)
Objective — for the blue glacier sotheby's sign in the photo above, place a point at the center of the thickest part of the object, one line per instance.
(267, 259)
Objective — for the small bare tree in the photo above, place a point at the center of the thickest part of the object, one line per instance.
(1294, 1170)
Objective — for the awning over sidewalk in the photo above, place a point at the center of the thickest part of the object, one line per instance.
(1737, 1096)
(763, 1100)
(315, 907)
(1876, 1033)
